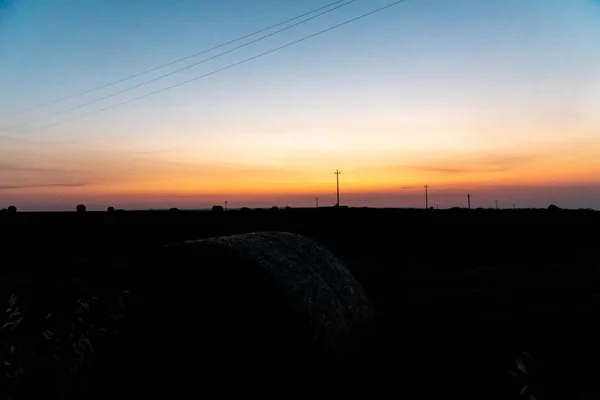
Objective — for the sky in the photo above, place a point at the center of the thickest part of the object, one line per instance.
(496, 98)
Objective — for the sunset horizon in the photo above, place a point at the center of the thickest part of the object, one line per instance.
(494, 100)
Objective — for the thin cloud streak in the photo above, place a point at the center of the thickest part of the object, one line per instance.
(457, 170)
(14, 168)
(36, 186)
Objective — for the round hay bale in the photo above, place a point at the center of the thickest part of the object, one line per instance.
(310, 294)
(253, 309)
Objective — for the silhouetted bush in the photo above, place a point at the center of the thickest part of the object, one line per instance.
(288, 208)
(218, 209)
(12, 209)
(173, 209)
(110, 209)
(552, 207)
(274, 208)
(4, 210)
(245, 209)
(81, 208)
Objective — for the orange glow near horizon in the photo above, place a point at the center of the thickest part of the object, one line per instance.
(375, 168)
(124, 178)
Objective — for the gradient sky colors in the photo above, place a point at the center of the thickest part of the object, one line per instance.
(497, 98)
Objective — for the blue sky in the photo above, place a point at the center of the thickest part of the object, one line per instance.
(465, 86)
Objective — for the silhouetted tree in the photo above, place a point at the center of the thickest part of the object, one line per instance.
(245, 209)
(110, 209)
(12, 209)
(173, 209)
(218, 209)
(274, 208)
(552, 207)
(4, 210)
(288, 208)
(81, 208)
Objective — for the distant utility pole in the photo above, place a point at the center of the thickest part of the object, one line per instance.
(513, 206)
(426, 197)
(317, 202)
(469, 201)
(337, 180)
(496, 204)
(225, 205)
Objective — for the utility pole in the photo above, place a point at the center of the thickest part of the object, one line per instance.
(469, 201)
(225, 205)
(496, 204)
(317, 202)
(426, 197)
(337, 180)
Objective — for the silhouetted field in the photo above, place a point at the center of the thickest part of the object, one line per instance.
(458, 294)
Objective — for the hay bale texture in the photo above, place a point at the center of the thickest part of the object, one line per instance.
(257, 309)
(285, 282)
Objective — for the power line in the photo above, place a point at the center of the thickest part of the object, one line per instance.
(61, 99)
(177, 70)
(220, 69)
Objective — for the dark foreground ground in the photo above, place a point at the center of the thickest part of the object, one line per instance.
(458, 295)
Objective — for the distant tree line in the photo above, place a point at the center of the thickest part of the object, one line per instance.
(219, 209)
